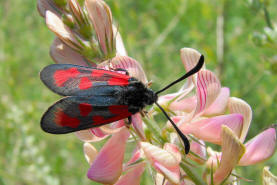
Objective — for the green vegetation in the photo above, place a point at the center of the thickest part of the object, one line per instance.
(153, 32)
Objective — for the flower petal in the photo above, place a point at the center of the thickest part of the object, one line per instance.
(138, 126)
(112, 127)
(107, 166)
(189, 57)
(268, 177)
(132, 176)
(174, 150)
(156, 154)
(209, 129)
(208, 88)
(259, 148)
(199, 149)
(63, 54)
(44, 5)
(101, 16)
(88, 136)
(220, 103)
(237, 105)
(124, 62)
(56, 25)
(172, 174)
(232, 151)
(120, 48)
(90, 152)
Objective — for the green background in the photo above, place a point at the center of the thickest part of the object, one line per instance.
(153, 32)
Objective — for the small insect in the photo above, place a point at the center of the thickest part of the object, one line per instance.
(95, 97)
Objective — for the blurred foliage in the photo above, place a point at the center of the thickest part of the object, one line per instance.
(153, 32)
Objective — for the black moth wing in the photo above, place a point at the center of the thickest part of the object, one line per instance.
(74, 113)
(74, 80)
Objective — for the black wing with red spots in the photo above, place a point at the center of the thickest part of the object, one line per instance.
(74, 113)
(74, 80)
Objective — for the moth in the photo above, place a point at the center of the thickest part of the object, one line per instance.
(95, 97)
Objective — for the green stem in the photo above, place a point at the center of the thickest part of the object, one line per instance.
(193, 174)
(267, 17)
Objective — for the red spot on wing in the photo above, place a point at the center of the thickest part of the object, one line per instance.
(97, 73)
(85, 83)
(63, 120)
(61, 76)
(85, 109)
(119, 111)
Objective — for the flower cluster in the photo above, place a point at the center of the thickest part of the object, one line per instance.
(202, 109)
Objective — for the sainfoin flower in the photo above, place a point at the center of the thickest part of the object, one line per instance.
(202, 109)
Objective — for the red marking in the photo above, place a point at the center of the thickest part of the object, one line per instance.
(63, 119)
(61, 76)
(85, 83)
(97, 73)
(119, 81)
(85, 109)
(118, 109)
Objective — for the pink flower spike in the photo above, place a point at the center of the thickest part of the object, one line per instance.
(63, 54)
(237, 105)
(107, 166)
(219, 105)
(132, 176)
(259, 148)
(88, 136)
(90, 152)
(208, 88)
(232, 151)
(209, 129)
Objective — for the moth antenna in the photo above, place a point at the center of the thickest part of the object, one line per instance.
(183, 137)
(188, 74)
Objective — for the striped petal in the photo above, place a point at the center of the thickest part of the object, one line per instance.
(107, 166)
(156, 154)
(210, 129)
(232, 151)
(64, 33)
(219, 105)
(236, 105)
(172, 174)
(208, 88)
(259, 148)
(90, 152)
(132, 176)
(63, 54)
(101, 17)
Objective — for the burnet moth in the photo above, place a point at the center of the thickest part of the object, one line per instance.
(95, 97)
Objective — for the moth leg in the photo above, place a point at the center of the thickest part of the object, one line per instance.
(121, 69)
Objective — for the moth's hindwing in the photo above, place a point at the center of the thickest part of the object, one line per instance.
(71, 114)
